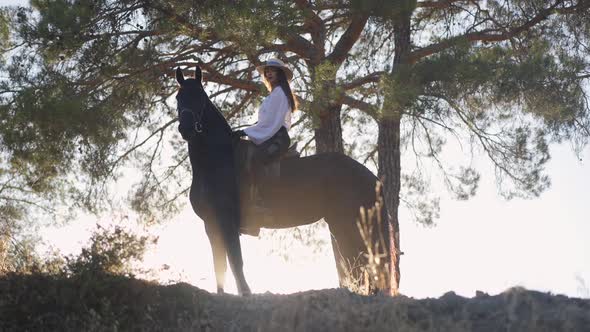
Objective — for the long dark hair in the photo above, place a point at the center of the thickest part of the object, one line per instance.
(284, 84)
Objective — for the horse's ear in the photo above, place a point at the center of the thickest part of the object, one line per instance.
(198, 74)
(179, 76)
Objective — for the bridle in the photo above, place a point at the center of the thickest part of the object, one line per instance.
(198, 116)
(198, 123)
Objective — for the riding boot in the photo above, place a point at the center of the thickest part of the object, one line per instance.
(257, 200)
(257, 205)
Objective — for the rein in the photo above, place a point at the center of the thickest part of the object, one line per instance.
(243, 126)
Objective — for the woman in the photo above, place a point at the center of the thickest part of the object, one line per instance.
(269, 137)
(269, 134)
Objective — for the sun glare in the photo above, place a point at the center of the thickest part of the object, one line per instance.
(183, 254)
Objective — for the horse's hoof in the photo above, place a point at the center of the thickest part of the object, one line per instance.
(220, 291)
(245, 292)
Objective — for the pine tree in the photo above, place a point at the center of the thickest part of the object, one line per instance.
(509, 76)
(101, 72)
(89, 85)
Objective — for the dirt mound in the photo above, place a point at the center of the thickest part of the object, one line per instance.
(113, 303)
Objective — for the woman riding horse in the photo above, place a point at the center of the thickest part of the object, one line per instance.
(331, 186)
(269, 138)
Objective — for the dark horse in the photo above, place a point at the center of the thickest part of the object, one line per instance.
(330, 186)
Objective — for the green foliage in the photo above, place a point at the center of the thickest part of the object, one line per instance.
(40, 302)
(245, 24)
(509, 103)
(4, 30)
(61, 24)
(400, 91)
(73, 96)
(109, 252)
(415, 194)
(323, 89)
(18, 254)
(95, 289)
(384, 9)
(92, 75)
(87, 90)
(113, 250)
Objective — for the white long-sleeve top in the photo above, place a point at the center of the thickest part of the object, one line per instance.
(274, 113)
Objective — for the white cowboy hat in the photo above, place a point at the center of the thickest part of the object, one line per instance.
(278, 64)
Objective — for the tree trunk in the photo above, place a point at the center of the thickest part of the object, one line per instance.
(328, 133)
(388, 147)
(3, 253)
(326, 114)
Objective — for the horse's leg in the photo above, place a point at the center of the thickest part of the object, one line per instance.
(219, 254)
(341, 264)
(234, 253)
(349, 249)
(227, 210)
(231, 239)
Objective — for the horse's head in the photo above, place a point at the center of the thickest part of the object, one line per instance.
(190, 89)
(191, 101)
(196, 113)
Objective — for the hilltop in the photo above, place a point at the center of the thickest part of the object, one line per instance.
(116, 303)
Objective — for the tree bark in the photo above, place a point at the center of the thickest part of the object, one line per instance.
(326, 115)
(328, 134)
(388, 147)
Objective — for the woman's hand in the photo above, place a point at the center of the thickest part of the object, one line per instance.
(238, 134)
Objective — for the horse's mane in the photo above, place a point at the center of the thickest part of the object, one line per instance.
(218, 113)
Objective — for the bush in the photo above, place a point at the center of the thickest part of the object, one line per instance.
(110, 251)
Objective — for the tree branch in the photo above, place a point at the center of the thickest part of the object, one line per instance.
(441, 4)
(238, 107)
(348, 39)
(299, 45)
(128, 152)
(27, 202)
(313, 23)
(488, 35)
(213, 75)
(488, 144)
(369, 109)
(168, 12)
(371, 78)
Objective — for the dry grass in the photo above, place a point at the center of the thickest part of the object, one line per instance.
(371, 271)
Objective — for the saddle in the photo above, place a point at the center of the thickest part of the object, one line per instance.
(256, 175)
(273, 167)
(245, 158)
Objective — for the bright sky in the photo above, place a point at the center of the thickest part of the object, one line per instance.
(486, 244)
(482, 244)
